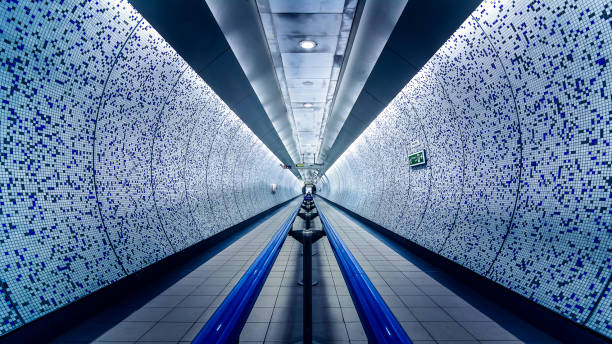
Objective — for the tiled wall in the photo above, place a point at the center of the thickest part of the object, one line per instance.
(514, 112)
(113, 154)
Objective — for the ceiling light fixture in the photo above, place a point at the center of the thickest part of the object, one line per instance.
(307, 83)
(307, 105)
(308, 44)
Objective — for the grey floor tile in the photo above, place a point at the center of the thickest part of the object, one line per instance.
(179, 290)
(205, 289)
(350, 314)
(327, 314)
(402, 290)
(265, 301)
(183, 314)
(330, 331)
(165, 331)
(260, 315)
(198, 301)
(446, 330)
(355, 331)
(254, 332)
(430, 314)
(345, 301)
(148, 314)
(403, 314)
(449, 301)
(417, 301)
(415, 330)
(466, 314)
(287, 314)
(207, 314)
(193, 331)
(126, 331)
(487, 330)
(165, 301)
(284, 332)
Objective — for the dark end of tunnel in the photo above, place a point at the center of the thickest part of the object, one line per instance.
(137, 287)
(557, 326)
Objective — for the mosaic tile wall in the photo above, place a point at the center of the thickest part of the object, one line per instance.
(514, 112)
(113, 154)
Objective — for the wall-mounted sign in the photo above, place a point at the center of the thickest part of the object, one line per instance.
(415, 143)
(417, 158)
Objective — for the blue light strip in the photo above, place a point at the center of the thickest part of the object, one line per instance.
(228, 320)
(378, 321)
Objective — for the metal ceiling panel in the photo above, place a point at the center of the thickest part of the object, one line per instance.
(314, 84)
(316, 60)
(313, 72)
(310, 6)
(291, 43)
(307, 76)
(320, 24)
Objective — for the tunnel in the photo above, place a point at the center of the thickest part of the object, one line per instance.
(284, 171)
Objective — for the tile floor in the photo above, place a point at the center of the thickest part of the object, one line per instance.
(429, 310)
(431, 307)
(177, 312)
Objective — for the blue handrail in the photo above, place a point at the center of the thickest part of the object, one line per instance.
(228, 320)
(378, 321)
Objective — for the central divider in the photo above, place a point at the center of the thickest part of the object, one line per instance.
(378, 321)
(228, 320)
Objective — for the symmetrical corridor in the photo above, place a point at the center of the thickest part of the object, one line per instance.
(164, 164)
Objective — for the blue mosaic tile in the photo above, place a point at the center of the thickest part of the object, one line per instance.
(105, 138)
(514, 113)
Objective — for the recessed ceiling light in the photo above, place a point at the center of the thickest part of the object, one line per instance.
(307, 105)
(307, 83)
(308, 44)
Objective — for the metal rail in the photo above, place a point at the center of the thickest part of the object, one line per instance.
(228, 320)
(378, 321)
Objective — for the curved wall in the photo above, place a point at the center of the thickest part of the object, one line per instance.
(114, 154)
(514, 112)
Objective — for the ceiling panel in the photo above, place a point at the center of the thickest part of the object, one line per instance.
(310, 6)
(314, 72)
(306, 95)
(308, 83)
(307, 77)
(291, 43)
(307, 60)
(320, 24)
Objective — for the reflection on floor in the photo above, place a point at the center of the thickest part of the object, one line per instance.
(425, 300)
(431, 306)
(179, 307)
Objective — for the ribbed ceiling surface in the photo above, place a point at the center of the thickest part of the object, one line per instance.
(307, 76)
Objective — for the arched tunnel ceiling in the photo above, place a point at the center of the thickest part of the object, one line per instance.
(226, 43)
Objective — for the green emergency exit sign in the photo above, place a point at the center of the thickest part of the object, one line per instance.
(417, 158)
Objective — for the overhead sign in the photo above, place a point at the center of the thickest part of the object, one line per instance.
(309, 166)
(416, 159)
